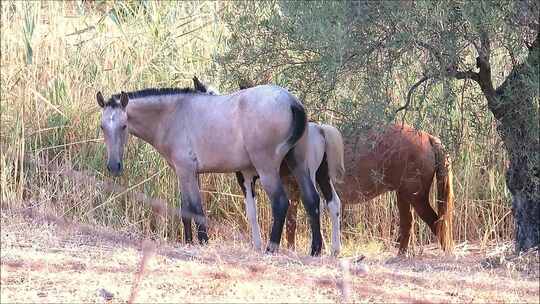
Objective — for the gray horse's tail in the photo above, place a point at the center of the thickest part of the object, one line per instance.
(298, 127)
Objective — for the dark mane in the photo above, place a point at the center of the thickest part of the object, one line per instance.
(112, 102)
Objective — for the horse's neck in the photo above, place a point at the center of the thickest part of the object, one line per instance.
(146, 118)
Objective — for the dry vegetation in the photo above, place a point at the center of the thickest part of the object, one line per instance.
(46, 259)
(56, 55)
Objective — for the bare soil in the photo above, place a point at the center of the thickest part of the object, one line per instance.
(44, 259)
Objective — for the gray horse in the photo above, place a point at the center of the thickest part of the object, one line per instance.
(251, 131)
(324, 157)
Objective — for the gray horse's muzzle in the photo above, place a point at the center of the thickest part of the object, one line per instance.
(115, 167)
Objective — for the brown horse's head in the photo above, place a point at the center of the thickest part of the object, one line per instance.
(114, 127)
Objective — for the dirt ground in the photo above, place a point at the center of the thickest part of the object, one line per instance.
(49, 260)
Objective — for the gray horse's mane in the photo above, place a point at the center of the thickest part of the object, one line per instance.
(112, 102)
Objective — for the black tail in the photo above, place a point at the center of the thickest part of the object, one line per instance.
(299, 121)
(298, 127)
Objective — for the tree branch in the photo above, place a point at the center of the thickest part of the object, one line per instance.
(466, 75)
(432, 50)
(482, 62)
(409, 94)
(514, 78)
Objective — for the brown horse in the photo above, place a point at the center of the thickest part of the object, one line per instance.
(399, 159)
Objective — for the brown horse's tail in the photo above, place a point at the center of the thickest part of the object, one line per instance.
(334, 152)
(445, 195)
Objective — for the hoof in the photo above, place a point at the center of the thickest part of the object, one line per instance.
(272, 248)
(203, 238)
(315, 251)
(335, 252)
(258, 247)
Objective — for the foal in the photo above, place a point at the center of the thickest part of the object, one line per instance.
(250, 131)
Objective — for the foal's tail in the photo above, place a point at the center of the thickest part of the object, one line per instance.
(334, 152)
(298, 127)
(445, 194)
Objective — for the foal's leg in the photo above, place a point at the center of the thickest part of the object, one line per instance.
(310, 199)
(246, 179)
(192, 207)
(333, 203)
(405, 221)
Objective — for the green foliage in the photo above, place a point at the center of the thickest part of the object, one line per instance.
(356, 63)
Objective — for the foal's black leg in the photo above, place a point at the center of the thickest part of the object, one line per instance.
(323, 179)
(240, 180)
(311, 201)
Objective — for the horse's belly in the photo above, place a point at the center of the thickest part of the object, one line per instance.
(226, 158)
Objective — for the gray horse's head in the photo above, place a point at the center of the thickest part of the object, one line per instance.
(114, 127)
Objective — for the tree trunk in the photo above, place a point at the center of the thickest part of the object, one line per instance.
(522, 177)
(515, 106)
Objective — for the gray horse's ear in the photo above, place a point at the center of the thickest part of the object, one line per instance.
(124, 99)
(100, 99)
(199, 86)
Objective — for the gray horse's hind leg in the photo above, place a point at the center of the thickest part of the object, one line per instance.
(274, 189)
(247, 179)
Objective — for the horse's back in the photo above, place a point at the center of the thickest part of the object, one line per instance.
(266, 116)
(389, 159)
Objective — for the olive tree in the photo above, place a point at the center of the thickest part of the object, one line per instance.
(366, 47)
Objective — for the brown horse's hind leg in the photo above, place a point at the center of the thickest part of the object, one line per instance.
(405, 221)
(291, 223)
(423, 209)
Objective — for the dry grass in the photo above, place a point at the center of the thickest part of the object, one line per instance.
(46, 259)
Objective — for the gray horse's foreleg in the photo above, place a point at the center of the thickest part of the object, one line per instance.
(274, 189)
(188, 234)
(191, 208)
(246, 180)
